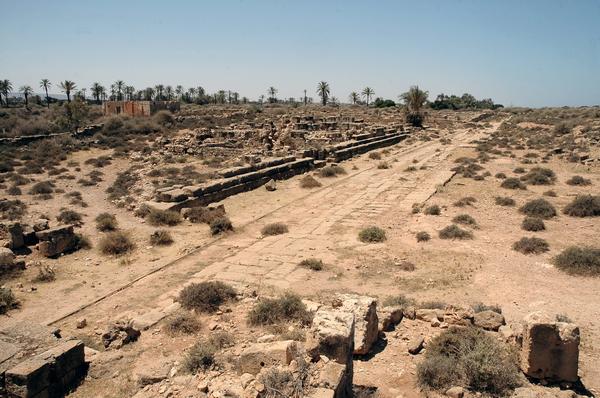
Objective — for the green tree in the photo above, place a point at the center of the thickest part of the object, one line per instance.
(179, 91)
(415, 100)
(119, 86)
(159, 88)
(272, 91)
(45, 84)
(129, 92)
(148, 93)
(96, 90)
(5, 88)
(67, 86)
(368, 92)
(27, 91)
(354, 97)
(323, 91)
(169, 92)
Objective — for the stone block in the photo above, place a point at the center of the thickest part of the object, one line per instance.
(260, 355)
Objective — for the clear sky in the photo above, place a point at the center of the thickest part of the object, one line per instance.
(518, 52)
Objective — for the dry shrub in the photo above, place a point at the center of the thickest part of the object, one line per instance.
(161, 237)
(331, 171)
(8, 300)
(538, 208)
(42, 188)
(383, 165)
(470, 358)
(314, 264)
(453, 231)
(579, 260)
(423, 236)
(285, 308)
(277, 228)
(465, 219)
(106, 222)
(579, 180)
(220, 225)
(67, 216)
(504, 201)
(375, 155)
(466, 201)
(12, 209)
(410, 168)
(480, 307)
(550, 193)
(372, 234)
(14, 191)
(279, 383)
(163, 217)
(309, 182)
(583, 206)
(206, 296)
(501, 176)
(182, 323)
(200, 356)
(539, 176)
(46, 273)
(433, 210)
(99, 162)
(205, 214)
(531, 245)
(116, 243)
(533, 224)
(399, 300)
(519, 170)
(513, 183)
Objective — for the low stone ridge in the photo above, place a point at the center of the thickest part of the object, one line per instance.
(55, 241)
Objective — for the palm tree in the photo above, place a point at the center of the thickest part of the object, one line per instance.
(148, 93)
(26, 90)
(5, 88)
(415, 100)
(323, 91)
(67, 86)
(368, 92)
(191, 93)
(45, 84)
(169, 92)
(272, 91)
(201, 92)
(119, 86)
(159, 88)
(129, 92)
(354, 97)
(305, 98)
(96, 90)
(179, 91)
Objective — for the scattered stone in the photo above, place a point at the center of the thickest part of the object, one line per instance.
(121, 333)
(81, 323)
(271, 185)
(415, 345)
(56, 241)
(245, 379)
(488, 320)
(550, 349)
(455, 392)
(366, 328)
(428, 315)
(389, 317)
(259, 355)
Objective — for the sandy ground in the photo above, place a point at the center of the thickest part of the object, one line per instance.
(324, 223)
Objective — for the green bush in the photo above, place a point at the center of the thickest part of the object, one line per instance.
(274, 229)
(531, 245)
(579, 260)
(314, 264)
(453, 231)
(372, 235)
(538, 208)
(583, 206)
(288, 307)
(106, 222)
(163, 217)
(116, 243)
(206, 296)
(470, 358)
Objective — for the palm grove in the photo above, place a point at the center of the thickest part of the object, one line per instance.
(414, 100)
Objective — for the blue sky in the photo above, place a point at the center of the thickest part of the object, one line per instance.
(526, 52)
